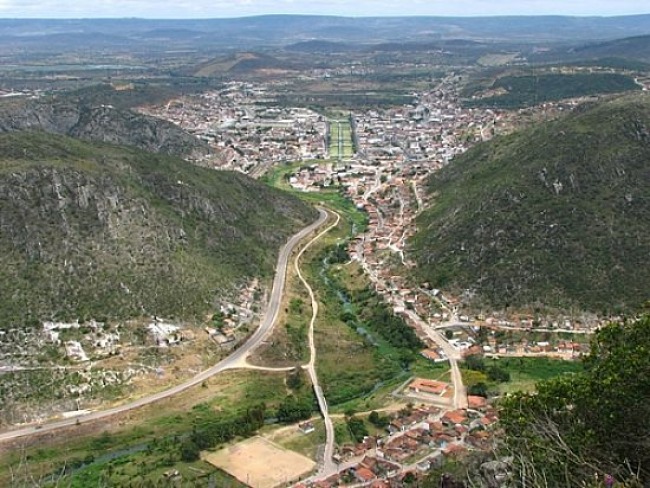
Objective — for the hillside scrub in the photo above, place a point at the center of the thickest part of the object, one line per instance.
(525, 91)
(111, 233)
(557, 215)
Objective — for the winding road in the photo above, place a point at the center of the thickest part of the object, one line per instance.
(231, 362)
(327, 466)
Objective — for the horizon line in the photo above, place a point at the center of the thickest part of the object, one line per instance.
(341, 16)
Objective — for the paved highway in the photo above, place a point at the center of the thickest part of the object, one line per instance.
(230, 362)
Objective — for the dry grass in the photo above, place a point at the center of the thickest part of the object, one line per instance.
(292, 438)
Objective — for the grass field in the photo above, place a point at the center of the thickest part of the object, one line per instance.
(526, 372)
(248, 461)
(341, 144)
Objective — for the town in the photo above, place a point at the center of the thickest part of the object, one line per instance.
(380, 160)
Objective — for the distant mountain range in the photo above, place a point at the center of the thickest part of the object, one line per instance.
(556, 215)
(282, 30)
(635, 48)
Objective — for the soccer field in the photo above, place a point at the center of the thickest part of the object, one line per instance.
(248, 461)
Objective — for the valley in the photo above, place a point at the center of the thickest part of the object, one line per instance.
(347, 256)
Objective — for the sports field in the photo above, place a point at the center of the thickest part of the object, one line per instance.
(341, 145)
(260, 463)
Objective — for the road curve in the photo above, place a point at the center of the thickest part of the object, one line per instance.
(327, 467)
(230, 362)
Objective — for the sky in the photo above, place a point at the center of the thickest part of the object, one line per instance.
(240, 8)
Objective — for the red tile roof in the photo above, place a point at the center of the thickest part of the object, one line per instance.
(365, 474)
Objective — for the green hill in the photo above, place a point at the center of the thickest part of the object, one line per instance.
(526, 91)
(555, 215)
(101, 231)
(636, 48)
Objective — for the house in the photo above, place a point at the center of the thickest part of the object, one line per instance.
(455, 451)
(433, 355)
(380, 484)
(488, 420)
(396, 425)
(476, 402)
(306, 427)
(454, 417)
(431, 387)
(364, 475)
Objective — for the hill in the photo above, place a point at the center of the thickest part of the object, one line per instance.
(241, 64)
(100, 231)
(75, 117)
(530, 90)
(316, 46)
(635, 48)
(555, 215)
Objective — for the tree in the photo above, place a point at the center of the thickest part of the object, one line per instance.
(190, 452)
(357, 428)
(478, 389)
(293, 409)
(475, 363)
(409, 478)
(373, 418)
(449, 334)
(591, 422)
(296, 378)
(380, 421)
(498, 374)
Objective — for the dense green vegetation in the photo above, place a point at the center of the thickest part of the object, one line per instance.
(524, 91)
(351, 361)
(557, 215)
(357, 428)
(167, 436)
(488, 377)
(493, 372)
(374, 315)
(99, 231)
(539, 369)
(589, 422)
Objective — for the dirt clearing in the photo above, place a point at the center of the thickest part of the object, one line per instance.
(260, 463)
